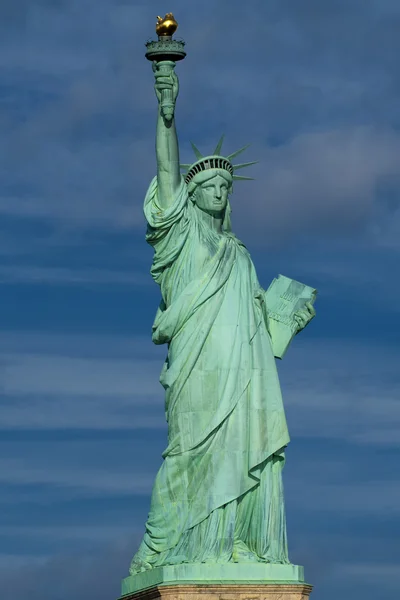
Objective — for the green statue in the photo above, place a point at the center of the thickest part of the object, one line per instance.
(218, 495)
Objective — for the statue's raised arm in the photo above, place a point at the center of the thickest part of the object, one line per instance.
(167, 149)
(164, 53)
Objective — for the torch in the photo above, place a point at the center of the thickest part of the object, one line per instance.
(165, 52)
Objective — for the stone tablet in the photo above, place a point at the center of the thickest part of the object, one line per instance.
(283, 299)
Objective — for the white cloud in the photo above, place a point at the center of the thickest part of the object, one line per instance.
(367, 497)
(77, 381)
(320, 181)
(67, 276)
(45, 374)
(45, 391)
(342, 390)
(73, 575)
(75, 345)
(370, 572)
(91, 480)
(91, 187)
(60, 411)
(358, 416)
(21, 561)
(89, 533)
(369, 578)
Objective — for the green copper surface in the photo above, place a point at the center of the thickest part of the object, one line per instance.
(217, 504)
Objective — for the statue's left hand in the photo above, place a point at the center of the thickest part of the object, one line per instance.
(304, 316)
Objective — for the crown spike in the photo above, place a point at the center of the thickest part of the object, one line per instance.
(219, 145)
(196, 151)
(243, 165)
(237, 152)
(241, 178)
(216, 161)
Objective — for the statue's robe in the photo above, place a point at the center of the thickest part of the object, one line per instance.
(220, 481)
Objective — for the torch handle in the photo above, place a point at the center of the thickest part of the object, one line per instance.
(166, 67)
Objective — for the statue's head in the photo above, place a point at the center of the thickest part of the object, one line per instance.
(209, 190)
(210, 178)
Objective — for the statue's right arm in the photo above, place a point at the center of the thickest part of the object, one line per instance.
(167, 149)
(168, 170)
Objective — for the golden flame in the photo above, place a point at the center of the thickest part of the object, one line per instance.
(167, 25)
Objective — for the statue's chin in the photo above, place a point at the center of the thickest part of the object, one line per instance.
(215, 212)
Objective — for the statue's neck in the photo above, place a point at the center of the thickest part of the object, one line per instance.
(213, 220)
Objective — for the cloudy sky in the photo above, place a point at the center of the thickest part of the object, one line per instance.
(314, 86)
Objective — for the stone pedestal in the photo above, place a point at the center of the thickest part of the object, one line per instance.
(265, 591)
(252, 581)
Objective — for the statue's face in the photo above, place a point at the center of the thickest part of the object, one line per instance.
(212, 195)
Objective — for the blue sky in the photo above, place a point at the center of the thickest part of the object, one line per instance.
(314, 87)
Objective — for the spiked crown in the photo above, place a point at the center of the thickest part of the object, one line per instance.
(216, 161)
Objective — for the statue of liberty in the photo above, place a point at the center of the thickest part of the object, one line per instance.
(218, 496)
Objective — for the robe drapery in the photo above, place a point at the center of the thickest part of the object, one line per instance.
(219, 486)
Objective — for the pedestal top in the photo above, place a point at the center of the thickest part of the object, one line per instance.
(230, 573)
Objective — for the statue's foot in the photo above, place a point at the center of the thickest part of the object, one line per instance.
(274, 561)
(138, 566)
(241, 553)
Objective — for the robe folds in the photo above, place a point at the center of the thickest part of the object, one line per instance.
(220, 481)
